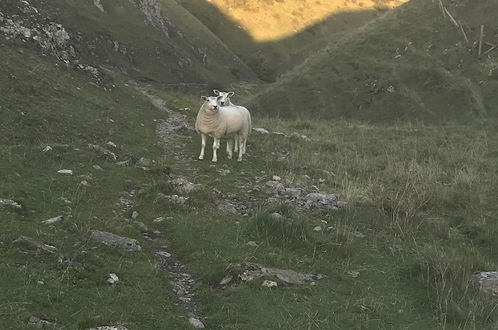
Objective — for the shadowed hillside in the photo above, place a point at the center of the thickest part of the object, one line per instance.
(412, 64)
(273, 36)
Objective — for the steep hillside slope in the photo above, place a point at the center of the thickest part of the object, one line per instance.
(152, 40)
(412, 64)
(273, 36)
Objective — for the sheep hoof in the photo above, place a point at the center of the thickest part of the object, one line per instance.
(214, 160)
(239, 159)
(201, 158)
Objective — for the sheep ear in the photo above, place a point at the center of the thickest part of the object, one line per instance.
(204, 98)
(230, 94)
(219, 97)
(216, 92)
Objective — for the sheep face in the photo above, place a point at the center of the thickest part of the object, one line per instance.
(211, 103)
(225, 97)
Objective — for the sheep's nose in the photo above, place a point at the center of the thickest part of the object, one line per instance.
(215, 107)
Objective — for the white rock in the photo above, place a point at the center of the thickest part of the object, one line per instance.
(158, 220)
(84, 183)
(276, 178)
(353, 273)
(112, 144)
(163, 254)
(261, 130)
(47, 148)
(53, 220)
(66, 172)
(196, 323)
(276, 216)
(9, 203)
(252, 244)
(269, 284)
(317, 228)
(134, 215)
(98, 168)
(113, 278)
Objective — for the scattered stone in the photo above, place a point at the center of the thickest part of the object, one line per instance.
(246, 272)
(317, 228)
(299, 136)
(85, 183)
(358, 234)
(37, 244)
(488, 281)
(277, 216)
(9, 203)
(109, 327)
(275, 186)
(261, 130)
(226, 207)
(341, 204)
(125, 243)
(362, 309)
(123, 163)
(163, 254)
(47, 148)
(106, 152)
(269, 284)
(293, 192)
(158, 220)
(134, 215)
(65, 260)
(97, 167)
(113, 278)
(111, 144)
(66, 200)
(99, 6)
(196, 323)
(171, 198)
(53, 220)
(279, 133)
(65, 172)
(320, 200)
(276, 178)
(141, 226)
(40, 323)
(227, 279)
(252, 244)
(183, 186)
(353, 273)
(145, 162)
(223, 172)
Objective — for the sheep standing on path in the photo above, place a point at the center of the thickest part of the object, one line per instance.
(225, 101)
(219, 121)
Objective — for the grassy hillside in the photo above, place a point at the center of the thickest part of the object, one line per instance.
(412, 65)
(148, 40)
(273, 36)
(422, 198)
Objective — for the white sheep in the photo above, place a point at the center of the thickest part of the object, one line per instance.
(225, 101)
(219, 121)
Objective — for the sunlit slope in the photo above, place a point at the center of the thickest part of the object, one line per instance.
(275, 20)
(412, 64)
(272, 36)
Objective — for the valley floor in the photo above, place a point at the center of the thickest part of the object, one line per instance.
(420, 219)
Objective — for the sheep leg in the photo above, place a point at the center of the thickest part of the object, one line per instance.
(203, 146)
(216, 146)
(230, 148)
(241, 148)
(236, 143)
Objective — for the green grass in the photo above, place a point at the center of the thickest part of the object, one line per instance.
(423, 195)
(411, 65)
